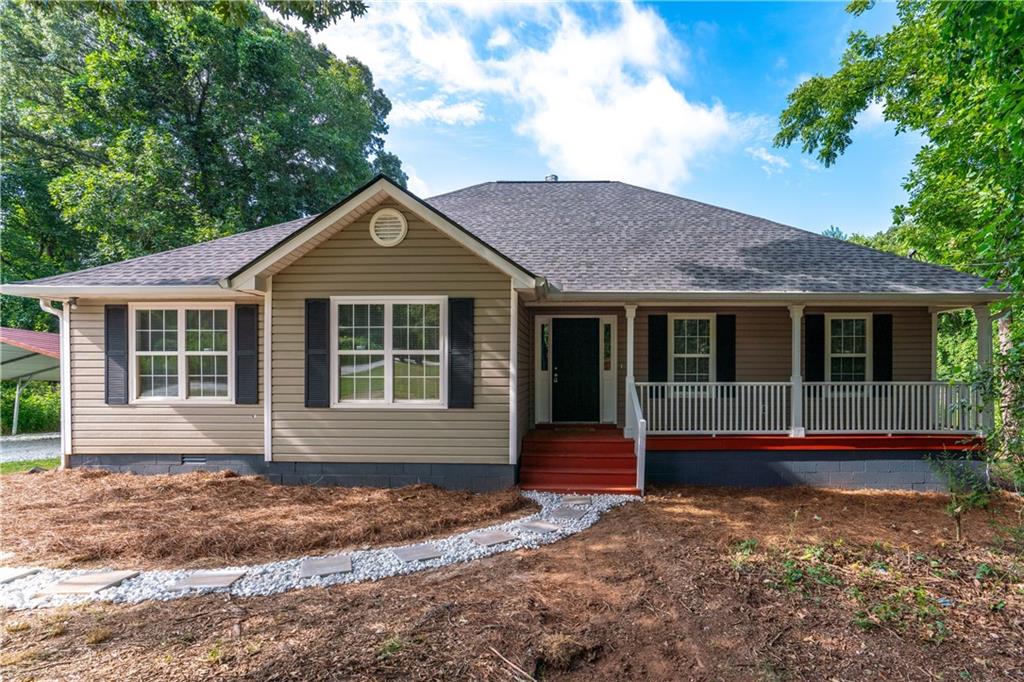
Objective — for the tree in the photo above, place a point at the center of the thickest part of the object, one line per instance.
(951, 71)
(135, 127)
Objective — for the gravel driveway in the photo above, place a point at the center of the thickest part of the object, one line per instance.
(29, 446)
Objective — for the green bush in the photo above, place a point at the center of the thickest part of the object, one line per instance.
(40, 407)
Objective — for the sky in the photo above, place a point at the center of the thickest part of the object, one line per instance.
(679, 97)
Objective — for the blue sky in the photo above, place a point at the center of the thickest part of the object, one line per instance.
(681, 97)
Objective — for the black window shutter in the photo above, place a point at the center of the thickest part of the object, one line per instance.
(814, 347)
(657, 347)
(460, 352)
(725, 348)
(115, 352)
(318, 364)
(246, 354)
(881, 347)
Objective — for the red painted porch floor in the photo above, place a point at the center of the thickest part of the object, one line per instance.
(578, 459)
(599, 459)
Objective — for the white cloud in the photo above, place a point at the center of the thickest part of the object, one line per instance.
(439, 110)
(596, 96)
(770, 163)
(500, 38)
(811, 165)
(873, 116)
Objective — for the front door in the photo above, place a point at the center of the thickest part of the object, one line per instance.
(576, 376)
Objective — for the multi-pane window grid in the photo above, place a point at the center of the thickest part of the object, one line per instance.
(206, 352)
(156, 350)
(416, 338)
(848, 349)
(691, 349)
(361, 360)
(363, 351)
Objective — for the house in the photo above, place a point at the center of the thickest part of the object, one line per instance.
(563, 335)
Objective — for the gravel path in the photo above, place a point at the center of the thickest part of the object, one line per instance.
(29, 446)
(281, 576)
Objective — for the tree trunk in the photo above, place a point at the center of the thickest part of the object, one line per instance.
(1008, 389)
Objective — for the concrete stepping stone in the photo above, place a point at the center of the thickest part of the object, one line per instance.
(539, 527)
(417, 553)
(89, 582)
(577, 500)
(327, 565)
(494, 537)
(207, 580)
(9, 575)
(568, 513)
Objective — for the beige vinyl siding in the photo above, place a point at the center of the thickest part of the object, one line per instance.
(182, 428)
(762, 340)
(427, 262)
(524, 371)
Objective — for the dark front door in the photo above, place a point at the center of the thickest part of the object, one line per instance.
(575, 380)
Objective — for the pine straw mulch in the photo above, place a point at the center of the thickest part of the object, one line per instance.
(838, 585)
(81, 518)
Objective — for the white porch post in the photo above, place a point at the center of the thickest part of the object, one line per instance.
(17, 406)
(630, 378)
(268, 372)
(796, 314)
(984, 319)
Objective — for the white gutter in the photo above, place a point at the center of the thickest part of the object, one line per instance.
(63, 314)
(616, 298)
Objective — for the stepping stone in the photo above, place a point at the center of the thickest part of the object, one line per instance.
(327, 565)
(539, 527)
(417, 553)
(207, 580)
(494, 537)
(89, 582)
(9, 575)
(574, 500)
(569, 513)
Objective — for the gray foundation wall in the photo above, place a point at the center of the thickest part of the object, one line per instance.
(895, 470)
(476, 477)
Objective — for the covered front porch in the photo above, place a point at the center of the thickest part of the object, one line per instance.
(718, 378)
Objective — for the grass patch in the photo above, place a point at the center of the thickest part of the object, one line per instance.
(25, 465)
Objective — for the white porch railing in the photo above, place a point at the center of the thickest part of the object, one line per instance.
(891, 407)
(639, 435)
(715, 408)
(722, 408)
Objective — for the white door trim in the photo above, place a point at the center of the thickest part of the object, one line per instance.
(542, 396)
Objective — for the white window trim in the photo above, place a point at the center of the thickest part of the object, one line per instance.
(133, 369)
(869, 350)
(712, 351)
(389, 403)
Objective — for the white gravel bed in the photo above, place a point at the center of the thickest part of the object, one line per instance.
(281, 576)
(29, 446)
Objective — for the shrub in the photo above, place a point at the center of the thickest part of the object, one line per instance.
(40, 407)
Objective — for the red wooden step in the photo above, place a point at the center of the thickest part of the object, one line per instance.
(574, 476)
(579, 446)
(582, 461)
(593, 490)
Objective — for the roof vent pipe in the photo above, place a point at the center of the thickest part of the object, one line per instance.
(551, 178)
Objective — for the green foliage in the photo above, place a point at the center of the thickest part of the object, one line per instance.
(39, 411)
(951, 72)
(131, 128)
(968, 489)
(26, 464)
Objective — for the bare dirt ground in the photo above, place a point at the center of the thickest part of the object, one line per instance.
(694, 584)
(81, 518)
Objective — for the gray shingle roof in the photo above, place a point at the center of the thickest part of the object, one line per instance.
(597, 236)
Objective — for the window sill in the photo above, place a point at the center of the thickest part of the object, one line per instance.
(389, 406)
(179, 401)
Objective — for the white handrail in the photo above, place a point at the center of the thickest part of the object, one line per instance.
(640, 437)
(714, 408)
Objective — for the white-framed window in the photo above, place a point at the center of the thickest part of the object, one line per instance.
(848, 347)
(389, 351)
(181, 352)
(691, 346)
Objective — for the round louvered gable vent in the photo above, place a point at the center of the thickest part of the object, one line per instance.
(388, 227)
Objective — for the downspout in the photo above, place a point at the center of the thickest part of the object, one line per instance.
(63, 315)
